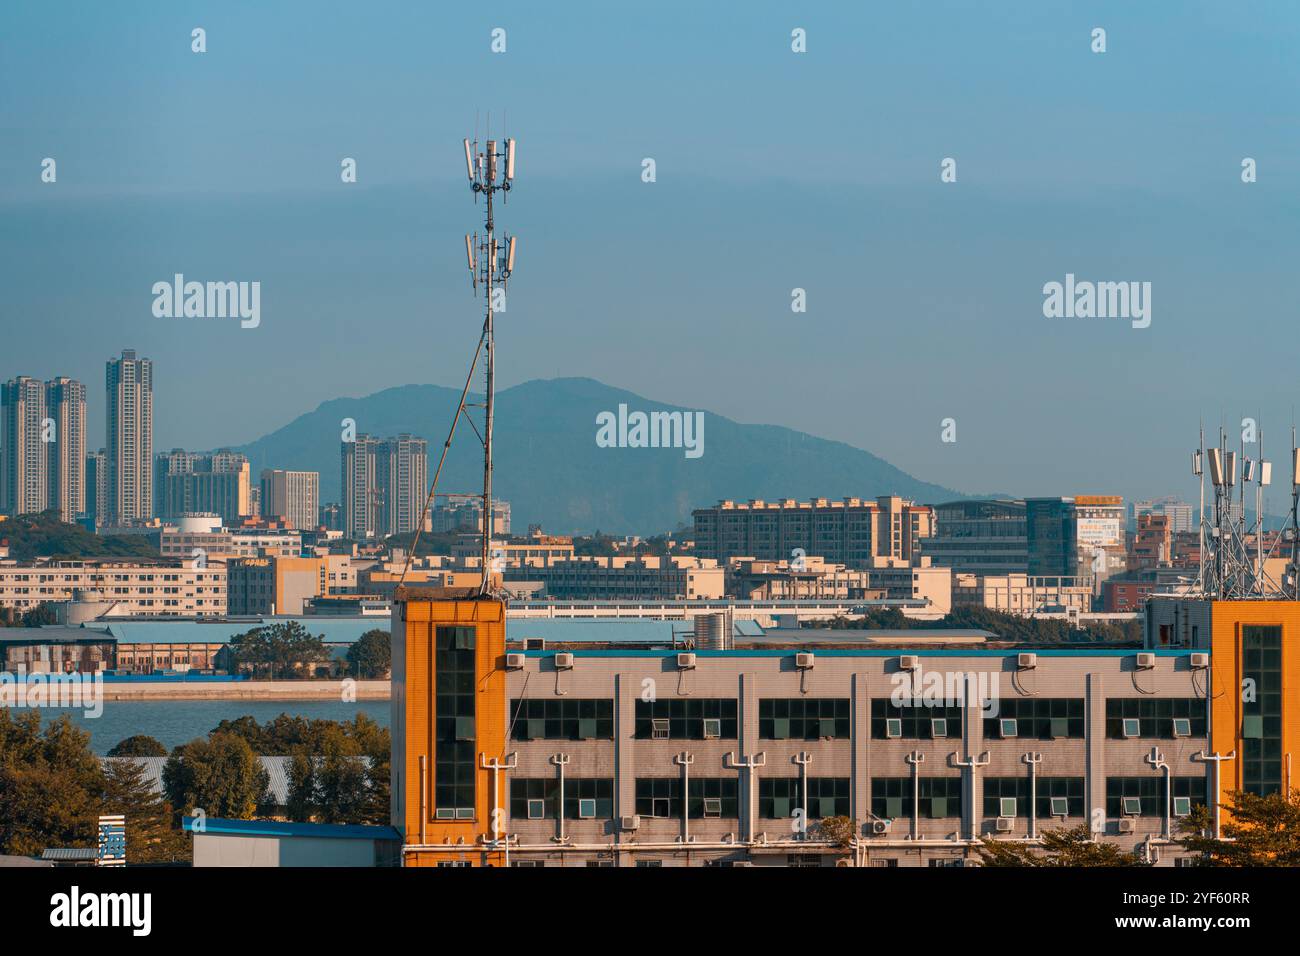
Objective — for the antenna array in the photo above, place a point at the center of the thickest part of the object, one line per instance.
(490, 262)
(1234, 561)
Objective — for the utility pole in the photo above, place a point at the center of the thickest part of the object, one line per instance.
(1215, 760)
(490, 264)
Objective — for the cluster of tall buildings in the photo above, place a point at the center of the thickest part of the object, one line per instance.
(42, 446)
(45, 464)
(384, 485)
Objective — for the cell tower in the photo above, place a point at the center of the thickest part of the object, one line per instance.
(1234, 562)
(490, 264)
(491, 261)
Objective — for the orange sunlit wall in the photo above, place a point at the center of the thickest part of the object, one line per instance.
(417, 614)
(1227, 708)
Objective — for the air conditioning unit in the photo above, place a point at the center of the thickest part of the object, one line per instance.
(629, 823)
(1004, 824)
(1146, 661)
(909, 662)
(803, 660)
(1125, 824)
(1199, 661)
(514, 662)
(563, 661)
(742, 863)
(1026, 661)
(686, 661)
(880, 827)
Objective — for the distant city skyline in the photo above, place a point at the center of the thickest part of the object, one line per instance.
(925, 299)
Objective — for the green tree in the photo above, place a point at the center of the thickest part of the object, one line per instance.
(46, 536)
(251, 731)
(284, 650)
(1072, 846)
(50, 784)
(372, 655)
(40, 616)
(1263, 831)
(150, 834)
(220, 776)
(301, 805)
(139, 745)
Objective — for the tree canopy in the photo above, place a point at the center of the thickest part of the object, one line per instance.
(138, 745)
(1263, 831)
(372, 655)
(282, 650)
(1063, 846)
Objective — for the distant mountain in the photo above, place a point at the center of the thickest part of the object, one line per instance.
(552, 471)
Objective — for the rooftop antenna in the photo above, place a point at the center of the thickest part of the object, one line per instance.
(490, 171)
(490, 263)
(1292, 577)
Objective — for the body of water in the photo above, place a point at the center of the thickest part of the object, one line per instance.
(174, 722)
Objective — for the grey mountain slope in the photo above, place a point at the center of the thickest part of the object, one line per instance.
(551, 470)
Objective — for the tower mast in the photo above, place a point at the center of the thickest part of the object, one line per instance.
(490, 264)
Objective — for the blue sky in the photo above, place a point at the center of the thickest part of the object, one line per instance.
(775, 171)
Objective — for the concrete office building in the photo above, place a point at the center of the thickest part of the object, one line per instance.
(203, 534)
(1251, 644)
(1080, 537)
(811, 578)
(920, 582)
(124, 588)
(537, 550)
(979, 537)
(1152, 545)
(1181, 515)
(188, 483)
(851, 532)
(129, 439)
(1022, 594)
(626, 578)
(465, 512)
(291, 495)
(734, 748)
(284, 585)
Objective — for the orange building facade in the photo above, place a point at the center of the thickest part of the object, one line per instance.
(448, 727)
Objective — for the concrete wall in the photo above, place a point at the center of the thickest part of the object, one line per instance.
(217, 849)
(860, 678)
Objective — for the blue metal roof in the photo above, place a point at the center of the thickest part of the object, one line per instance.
(616, 630)
(332, 630)
(275, 828)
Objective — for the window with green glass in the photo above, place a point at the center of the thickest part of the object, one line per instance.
(683, 718)
(1261, 758)
(786, 718)
(567, 719)
(916, 720)
(1155, 716)
(779, 797)
(1042, 718)
(454, 724)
